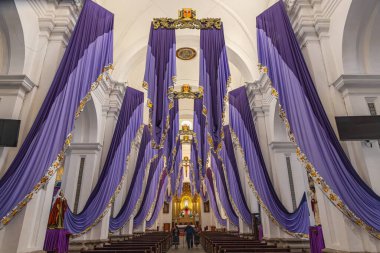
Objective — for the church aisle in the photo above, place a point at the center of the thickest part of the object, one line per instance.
(182, 247)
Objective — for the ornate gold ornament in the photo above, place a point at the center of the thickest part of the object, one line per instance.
(186, 139)
(187, 19)
(186, 53)
(186, 92)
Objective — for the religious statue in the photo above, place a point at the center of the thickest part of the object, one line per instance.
(185, 127)
(314, 201)
(187, 14)
(57, 212)
(186, 88)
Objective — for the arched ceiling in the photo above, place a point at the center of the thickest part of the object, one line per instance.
(132, 22)
(131, 31)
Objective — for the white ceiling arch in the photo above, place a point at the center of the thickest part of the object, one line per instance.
(132, 22)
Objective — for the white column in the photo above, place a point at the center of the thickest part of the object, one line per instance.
(26, 232)
(13, 92)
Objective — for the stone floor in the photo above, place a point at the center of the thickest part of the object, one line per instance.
(182, 247)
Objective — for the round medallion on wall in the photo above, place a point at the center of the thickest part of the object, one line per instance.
(186, 53)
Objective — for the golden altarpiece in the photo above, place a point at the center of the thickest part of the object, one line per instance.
(186, 208)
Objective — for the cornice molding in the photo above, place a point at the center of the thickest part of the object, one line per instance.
(283, 147)
(258, 93)
(22, 82)
(311, 18)
(358, 84)
(89, 147)
(56, 18)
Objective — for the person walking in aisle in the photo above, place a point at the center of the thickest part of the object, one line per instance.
(175, 232)
(189, 235)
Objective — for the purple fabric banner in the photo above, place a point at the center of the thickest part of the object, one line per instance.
(57, 240)
(222, 189)
(319, 148)
(175, 172)
(228, 157)
(194, 158)
(212, 197)
(201, 145)
(214, 77)
(241, 123)
(112, 176)
(317, 243)
(145, 156)
(159, 79)
(173, 142)
(159, 202)
(156, 171)
(179, 188)
(89, 51)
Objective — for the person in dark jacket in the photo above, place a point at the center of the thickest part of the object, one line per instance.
(175, 233)
(189, 236)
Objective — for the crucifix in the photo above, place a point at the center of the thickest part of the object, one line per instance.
(186, 165)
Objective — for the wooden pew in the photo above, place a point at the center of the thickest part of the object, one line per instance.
(214, 242)
(154, 242)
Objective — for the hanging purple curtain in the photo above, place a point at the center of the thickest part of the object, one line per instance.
(127, 126)
(241, 122)
(317, 243)
(212, 198)
(179, 188)
(194, 158)
(176, 167)
(89, 51)
(159, 202)
(159, 79)
(57, 240)
(172, 142)
(144, 157)
(199, 128)
(192, 181)
(228, 157)
(280, 53)
(221, 185)
(152, 185)
(214, 77)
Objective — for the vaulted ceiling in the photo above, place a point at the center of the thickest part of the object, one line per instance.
(132, 24)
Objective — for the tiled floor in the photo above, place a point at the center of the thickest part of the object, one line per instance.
(182, 247)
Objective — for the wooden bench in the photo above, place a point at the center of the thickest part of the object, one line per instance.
(154, 242)
(219, 242)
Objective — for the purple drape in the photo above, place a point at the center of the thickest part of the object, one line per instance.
(127, 126)
(144, 158)
(180, 182)
(175, 172)
(319, 148)
(317, 243)
(228, 157)
(156, 170)
(201, 145)
(214, 77)
(172, 142)
(159, 79)
(90, 49)
(159, 202)
(57, 240)
(221, 186)
(212, 197)
(194, 158)
(241, 122)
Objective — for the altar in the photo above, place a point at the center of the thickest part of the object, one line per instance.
(186, 208)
